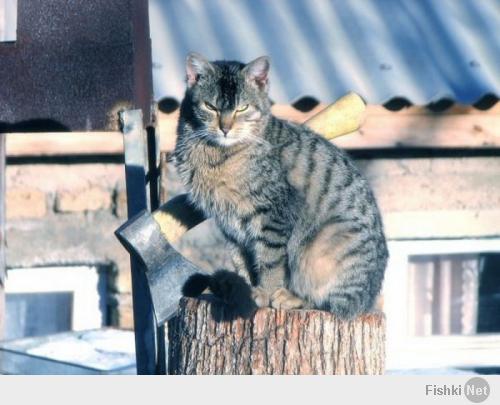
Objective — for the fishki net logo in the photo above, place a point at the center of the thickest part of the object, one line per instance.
(475, 390)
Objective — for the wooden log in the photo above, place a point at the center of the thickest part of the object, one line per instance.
(415, 127)
(273, 341)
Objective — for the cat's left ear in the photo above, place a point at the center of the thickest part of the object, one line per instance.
(257, 72)
(196, 66)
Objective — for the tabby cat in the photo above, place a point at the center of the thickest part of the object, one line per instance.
(301, 221)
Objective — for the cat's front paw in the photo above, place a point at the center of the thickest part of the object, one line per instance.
(261, 297)
(284, 299)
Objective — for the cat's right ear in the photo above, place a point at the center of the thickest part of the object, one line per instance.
(196, 66)
(257, 72)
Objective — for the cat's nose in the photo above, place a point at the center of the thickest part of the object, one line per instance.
(225, 122)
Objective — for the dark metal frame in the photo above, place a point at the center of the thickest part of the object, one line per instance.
(141, 173)
(3, 166)
(75, 64)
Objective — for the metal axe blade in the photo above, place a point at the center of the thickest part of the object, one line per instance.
(166, 269)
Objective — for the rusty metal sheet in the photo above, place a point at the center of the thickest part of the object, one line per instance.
(75, 64)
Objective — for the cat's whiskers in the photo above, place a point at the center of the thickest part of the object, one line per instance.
(254, 138)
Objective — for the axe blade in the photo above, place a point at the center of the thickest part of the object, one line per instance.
(166, 269)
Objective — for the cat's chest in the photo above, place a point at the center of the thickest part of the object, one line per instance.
(220, 184)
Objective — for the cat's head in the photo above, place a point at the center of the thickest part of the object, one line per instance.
(227, 102)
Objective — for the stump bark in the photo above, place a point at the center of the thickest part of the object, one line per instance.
(203, 341)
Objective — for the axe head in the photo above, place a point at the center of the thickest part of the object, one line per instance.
(166, 269)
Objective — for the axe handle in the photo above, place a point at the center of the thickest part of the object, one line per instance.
(177, 216)
(341, 117)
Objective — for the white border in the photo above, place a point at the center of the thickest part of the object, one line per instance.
(81, 281)
(8, 20)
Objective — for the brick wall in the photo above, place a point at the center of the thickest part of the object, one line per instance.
(61, 214)
(66, 214)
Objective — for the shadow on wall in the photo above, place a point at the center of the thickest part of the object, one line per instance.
(34, 125)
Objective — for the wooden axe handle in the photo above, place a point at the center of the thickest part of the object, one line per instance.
(177, 216)
(341, 117)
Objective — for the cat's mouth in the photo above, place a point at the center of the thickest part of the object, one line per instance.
(227, 140)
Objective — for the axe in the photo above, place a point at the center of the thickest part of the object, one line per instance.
(147, 236)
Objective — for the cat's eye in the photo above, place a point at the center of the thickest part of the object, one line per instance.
(241, 109)
(210, 106)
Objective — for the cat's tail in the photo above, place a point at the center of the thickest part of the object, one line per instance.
(356, 295)
(344, 308)
(232, 289)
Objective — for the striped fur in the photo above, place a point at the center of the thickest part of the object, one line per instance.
(300, 219)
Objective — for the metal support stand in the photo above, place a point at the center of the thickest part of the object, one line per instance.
(141, 172)
(3, 167)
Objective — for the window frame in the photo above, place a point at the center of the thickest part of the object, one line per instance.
(405, 351)
(81, 281)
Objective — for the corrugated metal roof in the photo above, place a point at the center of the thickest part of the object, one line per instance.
(422, 51)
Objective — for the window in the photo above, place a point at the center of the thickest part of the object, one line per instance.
(442, 299)
(8, 20)
(37, 314)
(455, 294)
(41, 301)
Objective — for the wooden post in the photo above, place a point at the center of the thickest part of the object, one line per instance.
(273, 342)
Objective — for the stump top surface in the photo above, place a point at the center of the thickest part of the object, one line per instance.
(213, 305)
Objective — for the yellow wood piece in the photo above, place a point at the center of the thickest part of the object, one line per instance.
(342, 117)
(171, 228)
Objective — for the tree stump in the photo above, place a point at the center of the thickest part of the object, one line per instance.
(273, 341)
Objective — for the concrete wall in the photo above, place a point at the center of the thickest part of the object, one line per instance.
(437, 198)
(66, 214)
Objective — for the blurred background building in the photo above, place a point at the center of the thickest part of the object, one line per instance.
(430, 73)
